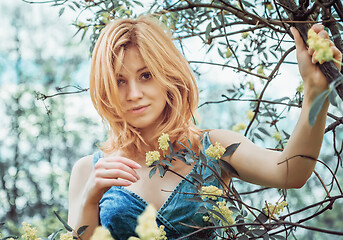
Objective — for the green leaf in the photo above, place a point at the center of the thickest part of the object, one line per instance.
(227, 167)
(218, 214)
(230, 149)
(195, 199)
(332, 98)
(210, 178)
(54, 235)
(197, 177)
(262, 130)
(167, 163)
(266, 236)
(262, 217)
(279, 237)
(208, 30)
(202, 158)
(81, 230)
(184, 146)
(61, 11)
(189, 159)
(138, 3)
(258, 136)
(217, 167)
(317, 106)
(243, 237)
(161, 170)
(152, 172)
(242, 228)
(202, 209)
(171, 147)
(65, 224)
(286, 134)
(258, 232)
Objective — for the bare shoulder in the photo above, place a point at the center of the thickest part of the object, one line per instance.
(81, 172)
(83, 166)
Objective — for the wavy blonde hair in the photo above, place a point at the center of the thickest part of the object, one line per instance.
(166, 65)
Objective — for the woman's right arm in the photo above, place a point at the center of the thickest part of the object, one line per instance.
(88, 184)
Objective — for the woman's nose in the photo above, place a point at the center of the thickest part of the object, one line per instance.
(134, 92)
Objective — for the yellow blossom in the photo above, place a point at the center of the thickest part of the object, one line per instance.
(250, 114)
(238, 5)
(151, 157)
(269, 6)
(162, 234)
(66, 236)
(30, 233)
(261, 71)
(272, 210)
(251, 85)
(228, 53)
(147, 228)
(300, 88)
(163, 142)
(245, 35)
(238, 127)
(277, 136)
(101, 233)
(322, 46)
(215, 151)
(224, 210)
(212, 192)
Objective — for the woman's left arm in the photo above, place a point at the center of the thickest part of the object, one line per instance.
(287, 169)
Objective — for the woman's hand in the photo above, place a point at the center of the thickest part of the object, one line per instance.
(314, 80)
(108, 172)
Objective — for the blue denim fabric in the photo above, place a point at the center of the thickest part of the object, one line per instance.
(119, 207)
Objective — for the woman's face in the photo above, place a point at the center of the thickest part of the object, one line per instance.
(141, 97)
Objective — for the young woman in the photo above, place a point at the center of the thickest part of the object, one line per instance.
(142, 87)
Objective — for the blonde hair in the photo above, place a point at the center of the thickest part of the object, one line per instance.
(166, 65)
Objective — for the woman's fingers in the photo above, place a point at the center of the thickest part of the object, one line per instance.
(115, 174)
(108, 165)
(124, 160)
(115, 171)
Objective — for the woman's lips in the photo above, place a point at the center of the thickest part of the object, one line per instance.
(139, 109)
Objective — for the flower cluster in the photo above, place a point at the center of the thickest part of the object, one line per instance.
(300, 88)
(238, 127)
(67, 236)
(163, 142)
(101, 233)
(151, 157)
(215, 151)
(210, 192)
(250, 114)
(245, 34)
(277, 136)
(228, 53)
(322, 46)
(251, 85)
(147, 228)
(272, 210)
(30, 233)
(261, 71)
(224, 210)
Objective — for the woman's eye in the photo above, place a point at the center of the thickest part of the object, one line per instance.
(146, 76)
(121, 82)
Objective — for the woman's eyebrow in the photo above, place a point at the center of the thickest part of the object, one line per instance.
(141, 69)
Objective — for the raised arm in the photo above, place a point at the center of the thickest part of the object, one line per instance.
(283, 169)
